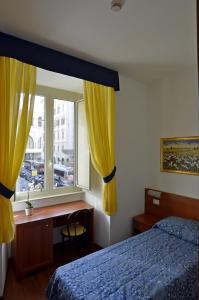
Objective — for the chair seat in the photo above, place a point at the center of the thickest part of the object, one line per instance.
(75, 230)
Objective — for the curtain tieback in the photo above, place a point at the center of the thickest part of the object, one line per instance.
(5, 192)
(109, 177)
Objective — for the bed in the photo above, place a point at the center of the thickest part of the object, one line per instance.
(160, 263)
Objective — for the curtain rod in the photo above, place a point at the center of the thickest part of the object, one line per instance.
(59, 62)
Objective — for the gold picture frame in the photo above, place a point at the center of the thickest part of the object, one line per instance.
(180, 155)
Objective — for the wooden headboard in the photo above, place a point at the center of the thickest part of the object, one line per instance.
(171, 205)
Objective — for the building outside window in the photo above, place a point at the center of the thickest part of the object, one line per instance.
(32, 170)
(30, 142)
(40, 121)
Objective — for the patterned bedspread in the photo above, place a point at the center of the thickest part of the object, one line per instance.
(151, 265)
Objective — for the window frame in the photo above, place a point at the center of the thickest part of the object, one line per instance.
(79, 184)
(49, 95)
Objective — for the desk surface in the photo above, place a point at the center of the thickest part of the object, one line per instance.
(51, 211)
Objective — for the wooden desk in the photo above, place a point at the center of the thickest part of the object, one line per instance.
(33, 243)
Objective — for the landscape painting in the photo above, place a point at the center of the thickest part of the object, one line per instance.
(180, 155)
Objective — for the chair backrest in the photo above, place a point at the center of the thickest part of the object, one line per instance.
(80, 217)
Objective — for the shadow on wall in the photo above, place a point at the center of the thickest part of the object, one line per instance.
(101, 221)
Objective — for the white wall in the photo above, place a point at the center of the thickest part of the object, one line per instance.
(173, 112)
(131, 154)
(101, 221)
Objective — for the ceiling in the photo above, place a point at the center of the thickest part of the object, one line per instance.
(146, 40)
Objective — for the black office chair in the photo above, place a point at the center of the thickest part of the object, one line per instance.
(75, 233)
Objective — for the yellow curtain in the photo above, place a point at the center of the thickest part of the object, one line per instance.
(17, 91)
(100, 116)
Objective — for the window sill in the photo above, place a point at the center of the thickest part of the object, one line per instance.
(49, 200)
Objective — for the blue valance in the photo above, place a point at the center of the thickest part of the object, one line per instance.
(56, 61)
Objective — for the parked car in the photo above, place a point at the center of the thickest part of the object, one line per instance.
(58, 182)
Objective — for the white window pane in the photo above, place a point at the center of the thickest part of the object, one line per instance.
(83, 157)
(32, 170)
(63, 144)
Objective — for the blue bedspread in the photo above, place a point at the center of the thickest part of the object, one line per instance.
(152, 265)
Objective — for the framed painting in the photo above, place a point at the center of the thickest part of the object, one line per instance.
(180, 155)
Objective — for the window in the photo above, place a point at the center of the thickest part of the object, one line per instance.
(64, 172)
(30, 143)
(51, 160)
(40, 143)
(32, 170)
(40, 121)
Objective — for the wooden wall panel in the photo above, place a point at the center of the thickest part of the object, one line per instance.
(172, 205)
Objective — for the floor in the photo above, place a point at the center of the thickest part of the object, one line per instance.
(33, 286)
